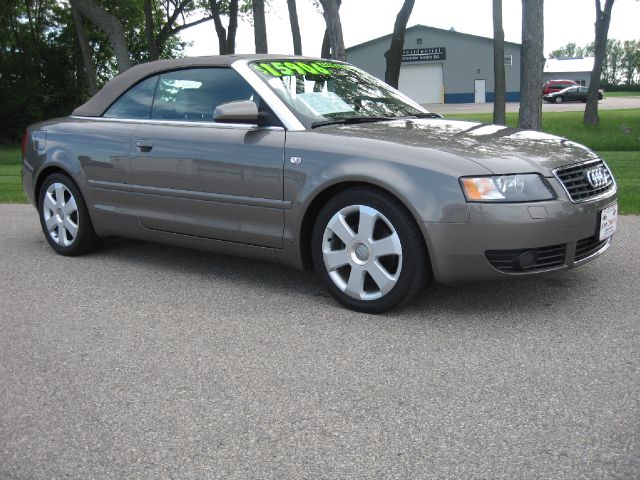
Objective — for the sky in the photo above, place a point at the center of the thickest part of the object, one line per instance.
(363, 20)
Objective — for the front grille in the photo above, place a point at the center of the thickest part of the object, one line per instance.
(576, 183)
(547, 257)
(588, 246)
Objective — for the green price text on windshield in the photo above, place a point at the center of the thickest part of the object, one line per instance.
(286, 69)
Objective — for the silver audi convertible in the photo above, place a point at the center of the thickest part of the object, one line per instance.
(315, 164)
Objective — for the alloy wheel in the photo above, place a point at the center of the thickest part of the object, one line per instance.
(61, 217)
(362, 252)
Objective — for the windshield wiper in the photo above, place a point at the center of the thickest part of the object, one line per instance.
(425, 115)
(349, 120)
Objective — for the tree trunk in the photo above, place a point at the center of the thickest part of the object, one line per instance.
(221, 32)
(394, 54)
(85, 51)
(325, 51)
(295, 27)
(331, 13)
(532, 63)
(152, 46)
(259, 26)
(233, 26)
(603, 18)
(110, 25)
(499, 87)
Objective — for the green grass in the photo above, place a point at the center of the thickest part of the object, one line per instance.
(626, 170)
(11, 182)
(619, 130)
(10, 156)
(621, 94)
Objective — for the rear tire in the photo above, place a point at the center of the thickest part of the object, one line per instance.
(64, 217)
(368, 251)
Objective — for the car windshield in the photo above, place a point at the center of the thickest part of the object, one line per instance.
(322, 92)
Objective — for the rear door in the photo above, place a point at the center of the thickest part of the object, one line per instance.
(190, 175)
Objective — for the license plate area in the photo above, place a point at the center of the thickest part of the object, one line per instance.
(608, 221)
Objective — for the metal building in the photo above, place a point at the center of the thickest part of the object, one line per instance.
(442, 66)
(576, 69)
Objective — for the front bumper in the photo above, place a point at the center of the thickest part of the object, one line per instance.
(563, 234)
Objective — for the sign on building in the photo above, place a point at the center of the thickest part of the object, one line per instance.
(424, 54)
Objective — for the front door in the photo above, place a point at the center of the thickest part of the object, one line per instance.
(192, 176)
(480, 91)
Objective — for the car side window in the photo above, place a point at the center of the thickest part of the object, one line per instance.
(193, 94)
(136, 102)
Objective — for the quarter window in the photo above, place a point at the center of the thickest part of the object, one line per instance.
(136, 102)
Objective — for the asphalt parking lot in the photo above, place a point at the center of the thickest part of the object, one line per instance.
(145, 361)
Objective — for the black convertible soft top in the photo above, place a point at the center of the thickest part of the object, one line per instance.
(119, 84)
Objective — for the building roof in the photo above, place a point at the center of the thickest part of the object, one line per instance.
(565, 65)
(425, 27)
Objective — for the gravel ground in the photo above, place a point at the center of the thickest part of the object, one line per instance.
(145, 361)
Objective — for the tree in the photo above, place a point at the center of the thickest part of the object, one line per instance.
(631, 60)
(295, 27)
(394, 54)
(170, 17)
(259, 27)
(85, 50)
(331, 13)
(325, 51)
(226, 37)
(111, 26)
(603, 18)
(499, 87)
(41, 72)
(613, 62)
(532, 63)
(570, 50)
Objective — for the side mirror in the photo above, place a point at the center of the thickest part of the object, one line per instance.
(243, 111)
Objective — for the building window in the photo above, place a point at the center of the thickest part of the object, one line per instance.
(581, 82)
(419, 41)
(508, 60)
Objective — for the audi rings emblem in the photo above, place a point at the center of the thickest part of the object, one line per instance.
(597, 177)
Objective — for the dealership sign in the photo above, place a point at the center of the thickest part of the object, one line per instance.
(424, 54)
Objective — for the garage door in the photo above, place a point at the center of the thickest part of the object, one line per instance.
(422, 82)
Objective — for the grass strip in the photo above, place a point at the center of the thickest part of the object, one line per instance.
(619, 130)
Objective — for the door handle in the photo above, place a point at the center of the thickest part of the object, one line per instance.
(144, 146)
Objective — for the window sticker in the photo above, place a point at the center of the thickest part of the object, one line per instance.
(323, 103)
(287, 69)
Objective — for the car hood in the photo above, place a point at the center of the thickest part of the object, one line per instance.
(500, 149)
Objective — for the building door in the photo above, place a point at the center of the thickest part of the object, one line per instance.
(480, 91)
(422, 82)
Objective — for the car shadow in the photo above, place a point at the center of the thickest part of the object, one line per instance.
(489, 300)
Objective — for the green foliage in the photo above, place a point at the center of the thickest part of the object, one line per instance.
(41, 70)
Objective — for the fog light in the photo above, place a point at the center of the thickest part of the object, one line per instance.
(526, 260)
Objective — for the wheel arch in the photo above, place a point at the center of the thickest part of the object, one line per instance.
(44, 174)
(321, 197)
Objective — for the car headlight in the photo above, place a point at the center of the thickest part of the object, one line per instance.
(529, 187)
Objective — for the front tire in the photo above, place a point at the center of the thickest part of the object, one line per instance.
(368, 251)
(64, 217)
(559, 99)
